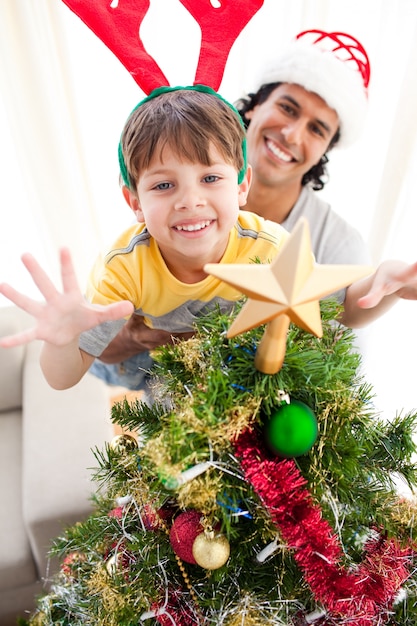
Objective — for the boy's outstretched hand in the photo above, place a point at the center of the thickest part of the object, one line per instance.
(62, 317)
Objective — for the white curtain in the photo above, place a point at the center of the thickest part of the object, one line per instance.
(64, 98)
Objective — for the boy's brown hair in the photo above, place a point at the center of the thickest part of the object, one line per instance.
(190, 123)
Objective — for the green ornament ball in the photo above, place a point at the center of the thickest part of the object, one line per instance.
(292, 430)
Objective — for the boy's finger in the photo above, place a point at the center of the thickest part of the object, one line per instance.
(39, 276)
(117, 310)
(19, 339)
(23, 302)
(69, 278)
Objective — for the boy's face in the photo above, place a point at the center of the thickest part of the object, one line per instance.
(189, 208)
(288, 134)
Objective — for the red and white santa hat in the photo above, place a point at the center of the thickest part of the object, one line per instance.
(333, 65)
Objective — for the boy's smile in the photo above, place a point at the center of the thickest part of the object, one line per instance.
(193, 227)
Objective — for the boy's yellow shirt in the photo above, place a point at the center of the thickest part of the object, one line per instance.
(134, 270)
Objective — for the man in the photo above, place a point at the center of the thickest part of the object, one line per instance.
(308, 101)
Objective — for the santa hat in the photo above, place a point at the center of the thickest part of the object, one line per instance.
(333, 65)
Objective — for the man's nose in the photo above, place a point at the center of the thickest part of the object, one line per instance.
(293, 131)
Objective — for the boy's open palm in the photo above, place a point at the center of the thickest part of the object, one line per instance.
(62, 316)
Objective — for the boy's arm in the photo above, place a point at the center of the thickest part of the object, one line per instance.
(369, 298)
(60, 320)
(64, 366)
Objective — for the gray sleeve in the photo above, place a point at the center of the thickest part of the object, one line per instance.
(333, 240)
(341, 245)
(94, 341)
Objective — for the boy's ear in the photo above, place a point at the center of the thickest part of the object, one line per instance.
(244, 187)
(133, 201)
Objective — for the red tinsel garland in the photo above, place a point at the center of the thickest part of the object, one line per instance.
(364, 596)
(176, 611)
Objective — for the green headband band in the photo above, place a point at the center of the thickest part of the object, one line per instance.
(203, 88)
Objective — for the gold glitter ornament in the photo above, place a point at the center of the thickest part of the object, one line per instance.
(123, 443)
(211, 550)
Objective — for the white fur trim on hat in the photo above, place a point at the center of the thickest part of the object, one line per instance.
(334, 80)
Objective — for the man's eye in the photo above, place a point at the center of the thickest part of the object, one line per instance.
(317, 130)
(287, 108)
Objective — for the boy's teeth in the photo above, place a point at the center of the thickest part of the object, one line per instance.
(191, 227)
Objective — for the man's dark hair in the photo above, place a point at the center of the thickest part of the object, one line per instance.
(317, 176)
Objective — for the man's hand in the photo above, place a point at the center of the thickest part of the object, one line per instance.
(368, 299)
(62, 317)
(391, 277)
(136, 337)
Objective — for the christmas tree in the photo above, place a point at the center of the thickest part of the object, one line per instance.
(244, 498)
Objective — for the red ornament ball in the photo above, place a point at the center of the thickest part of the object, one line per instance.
(184, 530)
(152, 517)
(292, 430)
(71, 564)
(117, 512)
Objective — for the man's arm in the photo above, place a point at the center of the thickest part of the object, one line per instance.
(136, 337)
(59, 321)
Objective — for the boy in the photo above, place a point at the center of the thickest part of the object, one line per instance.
(182, 158)
(185, 180)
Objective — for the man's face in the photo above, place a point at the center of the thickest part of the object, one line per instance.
(288, 134)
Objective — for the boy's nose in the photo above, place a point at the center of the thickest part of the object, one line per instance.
(189, 198)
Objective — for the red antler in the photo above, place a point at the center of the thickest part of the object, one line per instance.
(117, 24)
(118, 27)
(220, 28)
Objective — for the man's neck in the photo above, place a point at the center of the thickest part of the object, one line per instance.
(272, 203)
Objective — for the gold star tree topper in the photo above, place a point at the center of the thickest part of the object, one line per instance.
(286, 290)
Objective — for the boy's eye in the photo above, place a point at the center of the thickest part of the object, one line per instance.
(210, 178)
(163, 186)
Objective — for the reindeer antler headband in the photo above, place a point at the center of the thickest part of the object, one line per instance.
(117, 24)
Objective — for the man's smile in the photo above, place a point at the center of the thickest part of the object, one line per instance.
(283, 156)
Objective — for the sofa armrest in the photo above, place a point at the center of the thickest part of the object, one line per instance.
(60, 430)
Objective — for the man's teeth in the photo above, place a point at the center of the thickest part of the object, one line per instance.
(279, 153)
(192, 227)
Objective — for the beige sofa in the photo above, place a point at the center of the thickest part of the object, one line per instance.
(47, 439)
